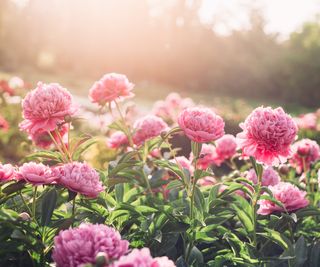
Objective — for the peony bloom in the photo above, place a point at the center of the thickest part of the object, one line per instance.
(111, 87)
(79, 177)
(304, 150)
(36, 173)
(4, 125)
(267, 135)
(6, 88)
(142, 258)
(74, 247)
(16, 83)
(207, 181)
(117, 140)
(171, 107)
(46, 107)
(43, 139)
(226, 147)
(289, 195)
(269, 176)
(148, 127)
(307, 121)
(184, 163)
(201, 125)
(208, 157)
(7, 172)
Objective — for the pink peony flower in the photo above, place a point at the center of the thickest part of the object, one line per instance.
(289, 195)
(307, 121)
(184, 163)
(201, 125)
(171, 107)
(16, 83)
(7, 172)
(226, 147)
(111, 87)
(79, 177)
(117, 140)
(207, 181)
(46, 107)
(304, 150)
(4, 125)
(6, 88)
(142, 258)
(267, 135)
(43, 139)
(208, 157)
(74, 247)
(148, 127)
(36, 173)
(269, 176)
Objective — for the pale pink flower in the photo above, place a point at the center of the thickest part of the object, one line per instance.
(142, 258)
(163, 262)
(16, 83)
(80, 178)
(111, 87)
(7, 172)
(307, 121)
(304, 150)
(288, 194)
(269, 176)
(117, 139)
(208, 157)
(46, 107)
(4, 125)
(148, 127)
(74, 247)
(207, 181)
(201, 125)
(226, 147)
(267, 135)
(36, 173)
(6, 88)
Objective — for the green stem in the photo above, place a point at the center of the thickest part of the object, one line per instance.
(128, 131)
(25, 203)
(58, 147)
(64, 148)
(34, 202)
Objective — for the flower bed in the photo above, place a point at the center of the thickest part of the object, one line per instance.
(245, 200)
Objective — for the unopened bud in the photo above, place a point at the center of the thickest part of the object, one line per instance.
(24, 216)
(304, 151)
(284, 169)
(101, 259)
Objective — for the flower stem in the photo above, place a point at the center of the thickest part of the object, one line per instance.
(64, 148)
(73, 208)
(127, 128)
(58, 147)
(34, 202)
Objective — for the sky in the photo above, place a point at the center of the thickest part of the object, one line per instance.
(283, 16)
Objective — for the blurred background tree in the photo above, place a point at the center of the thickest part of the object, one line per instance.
(160, 41)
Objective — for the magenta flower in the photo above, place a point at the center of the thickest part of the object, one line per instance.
(7, 172)
(267, 135)
(36, 173)
(117, 140)
(226, 147)
(201, 125)
(269, 176)
(142, 258)
(74, 247)
(111, 87)
(148, 127)
(46, 107)
(305, 150)
(289, 195)
(80, 178)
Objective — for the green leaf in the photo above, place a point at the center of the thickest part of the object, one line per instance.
(48, 204)
(277, 238)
